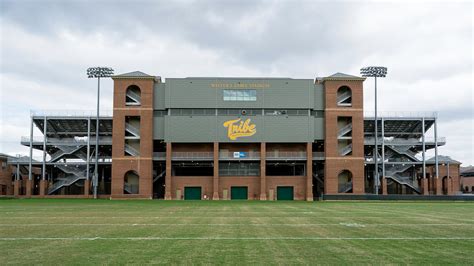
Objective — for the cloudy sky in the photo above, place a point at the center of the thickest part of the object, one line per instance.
(46, 47)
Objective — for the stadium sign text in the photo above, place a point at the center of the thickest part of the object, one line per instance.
(240, 85)
(237, 128)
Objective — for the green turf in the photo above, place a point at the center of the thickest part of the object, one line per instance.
(34, 231)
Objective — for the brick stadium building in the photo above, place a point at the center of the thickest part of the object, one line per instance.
(234, 138)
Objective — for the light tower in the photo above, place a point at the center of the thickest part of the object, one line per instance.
(381, 72)
(98, 72)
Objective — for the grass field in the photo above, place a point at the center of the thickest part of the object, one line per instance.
(49, 231)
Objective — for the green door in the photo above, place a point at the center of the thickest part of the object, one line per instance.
(192, 193)
(239, 193)
(284, 193)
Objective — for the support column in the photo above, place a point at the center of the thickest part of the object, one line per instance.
(215, 179)
(436, 176)
(309, 171)
(45, 129)
(17, 183)
(384, 186)
(29, 186)
(42, 187)
(449, 180)
(424, 181)
(30, 170)
(383, 150)
(263, 173)
(450, 186)
(42, 184)
(168, 172)
(439, 184)
(87, 187)
(426, 189)
(88, 149)
(16, 188)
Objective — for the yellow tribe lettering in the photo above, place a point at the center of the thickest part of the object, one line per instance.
(238, 128)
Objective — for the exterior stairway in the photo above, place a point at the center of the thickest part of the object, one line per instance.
(74, 174)
(318, 179)
(130, 189)
(346, 188)
(159, 176)
(134, 97)
(343, 97)
(67, 150)
(404, 150)
(132, 130)
(344, 130)
(406, 181)
(131, 150)
(345, 150)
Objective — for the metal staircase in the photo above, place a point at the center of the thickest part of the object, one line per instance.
(67, 150)
(344, 130)
(404, 150)
(345, 150)
(159, 176)
(135, 97)
(132, 130)
(405, 180)
(74, 174)
(130, 189)
(346, 188)
(344, 97)
(131, 150)
(318, 179)
(399, 168)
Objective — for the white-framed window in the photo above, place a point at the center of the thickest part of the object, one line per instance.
(240, 95)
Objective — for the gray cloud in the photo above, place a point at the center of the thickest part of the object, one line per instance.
(47, 45)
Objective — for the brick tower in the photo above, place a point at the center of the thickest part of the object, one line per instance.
(344, 131)
(132, 141)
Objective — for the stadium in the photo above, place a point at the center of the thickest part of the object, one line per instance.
(233, 138)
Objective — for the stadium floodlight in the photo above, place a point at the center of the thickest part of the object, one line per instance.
(97, 72)
(375, 72)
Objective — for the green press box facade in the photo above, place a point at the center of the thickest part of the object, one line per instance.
(207, 110)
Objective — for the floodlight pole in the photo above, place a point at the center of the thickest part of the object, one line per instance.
(96, 167)
(377, 179)
(375, 72)
(97, 72)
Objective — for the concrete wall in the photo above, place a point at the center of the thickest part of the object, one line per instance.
(211, 129)
(208, 93)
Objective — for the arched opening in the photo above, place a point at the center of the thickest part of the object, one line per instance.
(133, 95)
(344, 181)
(444, 185)
(131, 183)
(344, 96)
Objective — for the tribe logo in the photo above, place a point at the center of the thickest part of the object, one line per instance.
(238, 128)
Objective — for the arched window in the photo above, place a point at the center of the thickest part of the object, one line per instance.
(344, 181)
(344, 96)
(131, 184)
(133, 95)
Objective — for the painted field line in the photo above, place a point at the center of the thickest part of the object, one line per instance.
(232, 238)
(239, 224)
(213, 217)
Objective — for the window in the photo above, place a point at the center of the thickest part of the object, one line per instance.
(133, 95)
(239, 169)
(191, 112)
(240, 95)
(344, 96)
(239, 112)
(345, 181)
